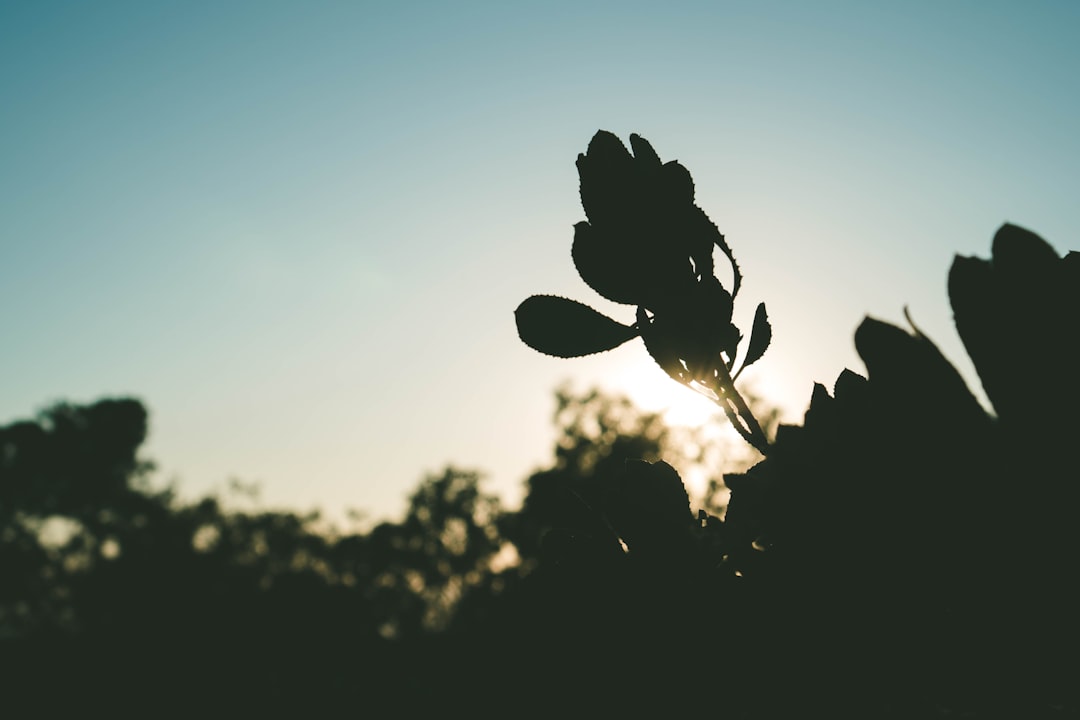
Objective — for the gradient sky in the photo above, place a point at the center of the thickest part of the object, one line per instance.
(298, 230)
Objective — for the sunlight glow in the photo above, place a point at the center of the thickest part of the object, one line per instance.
(721, 448)
(652, 390)
(649, 388)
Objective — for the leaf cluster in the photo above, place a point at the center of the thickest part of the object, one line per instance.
(902, 553)
(646, 243)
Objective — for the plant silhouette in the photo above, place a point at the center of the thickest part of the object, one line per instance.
(902, 553)
(647, 244)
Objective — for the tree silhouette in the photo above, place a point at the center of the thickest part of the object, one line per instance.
(118, 589)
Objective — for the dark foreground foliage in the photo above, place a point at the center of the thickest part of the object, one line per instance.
(901, 554)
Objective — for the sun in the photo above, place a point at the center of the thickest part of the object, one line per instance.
(652, 390)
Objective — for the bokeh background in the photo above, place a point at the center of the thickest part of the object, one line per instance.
(298, 231)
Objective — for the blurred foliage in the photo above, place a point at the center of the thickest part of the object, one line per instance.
(103, 574)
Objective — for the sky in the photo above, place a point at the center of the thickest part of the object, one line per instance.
(297, 231)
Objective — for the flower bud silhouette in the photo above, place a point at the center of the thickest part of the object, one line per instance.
(647, 243)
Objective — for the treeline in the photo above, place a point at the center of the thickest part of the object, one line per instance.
(114, 591)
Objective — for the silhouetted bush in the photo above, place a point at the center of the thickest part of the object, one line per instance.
(903, 552)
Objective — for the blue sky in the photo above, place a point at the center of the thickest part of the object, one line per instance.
(298, 231)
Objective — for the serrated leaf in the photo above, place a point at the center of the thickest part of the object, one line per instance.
(643, 151)
(604, 170)
(604, 267)
(566, 328)
(678, 183)
(699, 222)
(849, 385)
(760, 337)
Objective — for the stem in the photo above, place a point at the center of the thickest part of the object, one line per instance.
(737, 410)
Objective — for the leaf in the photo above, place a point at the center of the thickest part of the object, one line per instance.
(700, 223)
(605, 172)
(566, 328)
(643, 151)
(849, 386)
(678, 183)
(660, 345)
(1019, 251)
(605, 267)
(901, 367)
(760, 337)
(648, 506)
